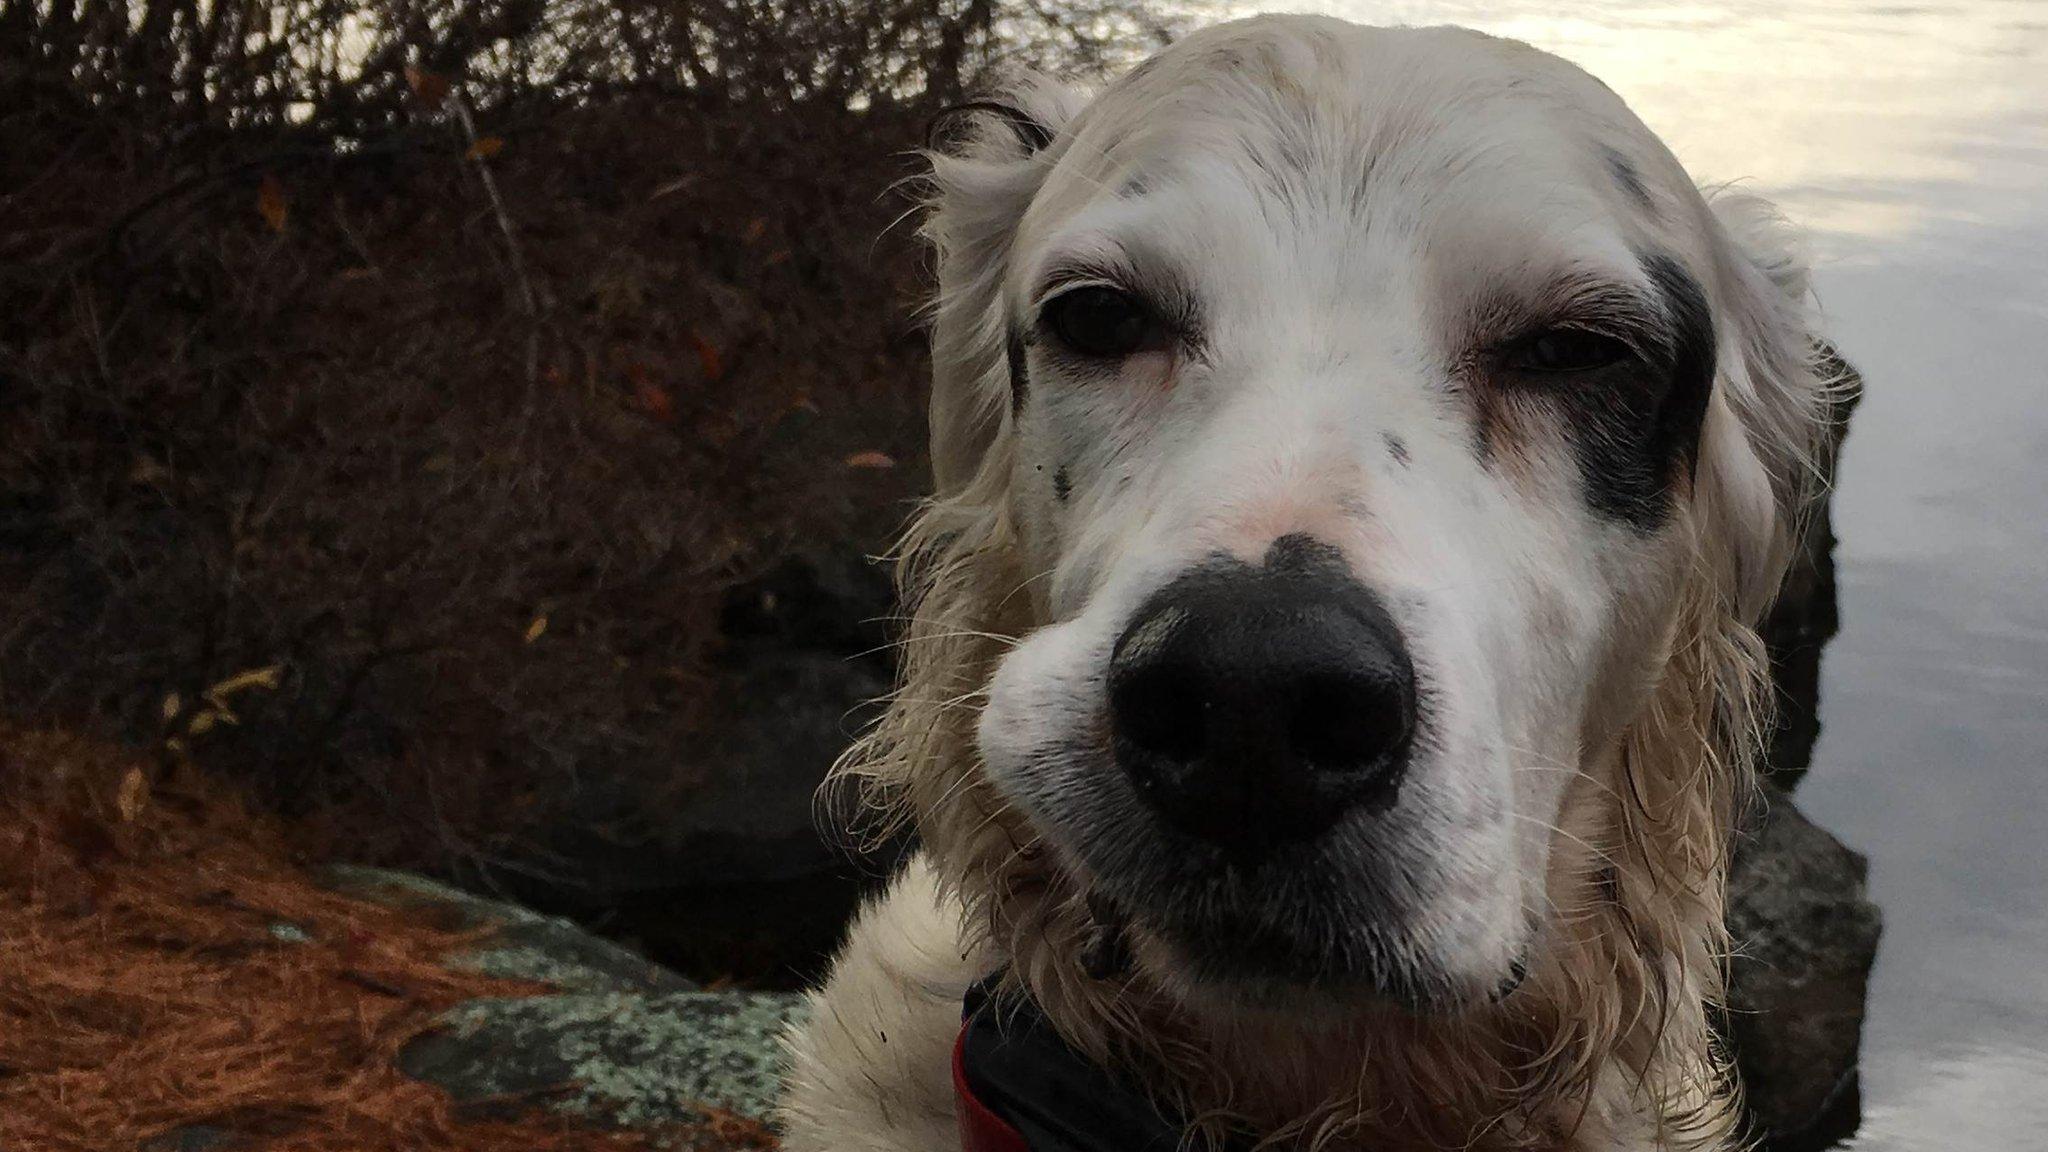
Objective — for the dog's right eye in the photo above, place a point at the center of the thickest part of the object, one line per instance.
(1100, 321)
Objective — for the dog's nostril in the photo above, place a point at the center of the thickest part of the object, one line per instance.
(1160, 710)
(1257, 707)
(1345, 724)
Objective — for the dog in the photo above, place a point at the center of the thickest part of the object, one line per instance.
(1361, 457)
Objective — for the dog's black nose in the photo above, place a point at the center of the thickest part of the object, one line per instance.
(1254, 707)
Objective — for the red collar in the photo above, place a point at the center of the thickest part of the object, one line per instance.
(980, 1129)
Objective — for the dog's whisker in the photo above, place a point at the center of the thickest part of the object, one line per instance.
(1605, 855)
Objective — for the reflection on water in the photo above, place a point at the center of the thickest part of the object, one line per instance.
(1912, 141)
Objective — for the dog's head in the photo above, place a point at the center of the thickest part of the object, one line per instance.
(1354, 429)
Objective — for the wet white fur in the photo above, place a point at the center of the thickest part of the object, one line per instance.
(1595, 689)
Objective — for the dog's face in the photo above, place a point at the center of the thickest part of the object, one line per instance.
(1364, 392)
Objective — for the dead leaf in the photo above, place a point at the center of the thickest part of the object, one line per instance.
(148, 471)
(271, 203)
(708, 357)
(871, 459)
(133, 796)
(202, 724)
(430, 87)
(718, 429)
(672, 187)
(755, 230)
(172, 706)
(538, 628)
(265, 677)
(485, 148)
(655, 401)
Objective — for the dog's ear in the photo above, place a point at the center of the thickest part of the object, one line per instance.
(1767, 431)
(988, 158)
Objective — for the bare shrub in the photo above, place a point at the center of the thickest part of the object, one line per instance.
(452, 357)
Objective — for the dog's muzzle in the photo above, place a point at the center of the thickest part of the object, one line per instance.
(1255, 707)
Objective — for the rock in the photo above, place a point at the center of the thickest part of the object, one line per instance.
(819, 598)
(1803, 618)
(806, 648)
(626, 1044)
(620, 1060)
(525, 944)
(732, 876)
(1805, 934)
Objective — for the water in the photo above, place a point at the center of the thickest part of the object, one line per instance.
(1912, 141)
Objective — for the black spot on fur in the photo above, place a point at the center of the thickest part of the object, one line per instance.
(1397, 448)
(1636, 436)
(1062, 484)
(1020, 372)
(1631, 181)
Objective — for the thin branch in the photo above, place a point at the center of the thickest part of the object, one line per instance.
(528, 301)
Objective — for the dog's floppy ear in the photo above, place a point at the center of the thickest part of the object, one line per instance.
(1767, 428)
(992, 155)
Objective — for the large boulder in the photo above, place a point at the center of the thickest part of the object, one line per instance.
(1805, 934)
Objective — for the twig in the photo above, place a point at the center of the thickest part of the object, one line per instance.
(371, 983)
(514, 253)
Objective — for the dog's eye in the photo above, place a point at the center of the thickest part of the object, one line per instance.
(1566, 350)
(1100, 321)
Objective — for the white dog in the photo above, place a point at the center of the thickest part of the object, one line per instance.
(1361, 455)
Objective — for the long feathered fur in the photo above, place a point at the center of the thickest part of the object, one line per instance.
(1616, 1022)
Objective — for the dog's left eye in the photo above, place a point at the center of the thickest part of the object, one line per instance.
(1566, 350)
(1100, 321)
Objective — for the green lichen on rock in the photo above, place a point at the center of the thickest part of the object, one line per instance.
(627, 1043)
(635, 1061)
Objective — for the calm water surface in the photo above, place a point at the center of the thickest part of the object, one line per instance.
(1912, 141)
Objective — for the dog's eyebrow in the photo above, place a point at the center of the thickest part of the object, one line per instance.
(1170, 296)
(1633, 312)
(1113, 268)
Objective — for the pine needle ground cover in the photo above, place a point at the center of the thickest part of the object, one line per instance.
(168, 969)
